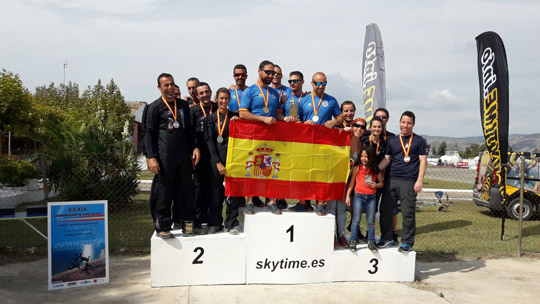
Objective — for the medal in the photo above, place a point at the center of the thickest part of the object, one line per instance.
(293, 110)
(408, 150)
(220, 127)
(176, 125)
(266, 110)
(316, 111)
(174, 114)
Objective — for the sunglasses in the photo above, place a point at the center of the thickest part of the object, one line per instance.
(279, 74)
(382, 117)
(363, 127)
(294, 80)
(269, 72)
(240, 75)
(318, 83)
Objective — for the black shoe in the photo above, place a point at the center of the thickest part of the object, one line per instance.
(371, 246)
(257, 202)
(352, 246)
(282, 204)
(383, 244)
(165, 234)
(321, 210)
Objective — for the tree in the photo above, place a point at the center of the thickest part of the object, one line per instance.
(442, 148)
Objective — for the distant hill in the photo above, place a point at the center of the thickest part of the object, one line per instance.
(518, 142)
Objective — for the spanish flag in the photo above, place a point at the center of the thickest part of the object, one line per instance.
(286, 160)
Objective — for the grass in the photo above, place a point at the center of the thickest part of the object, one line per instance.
(440, 184)
(146, 175)
(464, 231)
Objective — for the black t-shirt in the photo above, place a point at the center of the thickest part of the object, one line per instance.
(406, 170)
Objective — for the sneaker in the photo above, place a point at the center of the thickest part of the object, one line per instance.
(371, 246)
(235, 230)
(299, 207)
(320, 209)
(249, 209)
(353, 246)
(165, 234)
(257, 202)
(383, 244)
(336, 244)
(343, 242)
(214, 229)
(282, 204)
(396, 238)
(274, 209)
(404, 248)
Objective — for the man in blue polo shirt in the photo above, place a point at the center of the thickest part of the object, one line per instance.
(407, 153)
(261, 103)
(240, 76)
(296, 81)
(318, 107)
(282, 90)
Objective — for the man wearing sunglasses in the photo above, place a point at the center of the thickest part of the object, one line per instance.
(318, 107)
(296, 81)
(284, 91)
(260, 103)
(240, 76)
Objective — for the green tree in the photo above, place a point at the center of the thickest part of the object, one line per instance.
(442, 148)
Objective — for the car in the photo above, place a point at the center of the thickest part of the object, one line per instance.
(491, 198)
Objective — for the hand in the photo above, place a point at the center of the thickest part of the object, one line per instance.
(195, 157)
(153, 165)
(235, 118)
(347, 129)
(232, 87)
(348, 201)
(269, 120)
(221, 168)
(309, 122)
(418, 186)
(330, 124)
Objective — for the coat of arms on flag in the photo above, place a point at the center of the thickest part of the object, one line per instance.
(263, 163)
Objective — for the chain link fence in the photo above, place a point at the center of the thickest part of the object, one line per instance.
(450, 225)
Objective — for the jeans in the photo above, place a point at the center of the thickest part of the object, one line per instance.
(339, 210)
(369, 203)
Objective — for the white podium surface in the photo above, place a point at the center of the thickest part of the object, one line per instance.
(292, 248)
(199, 260)
(387, 265)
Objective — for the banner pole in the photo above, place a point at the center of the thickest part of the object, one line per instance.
(521, 190)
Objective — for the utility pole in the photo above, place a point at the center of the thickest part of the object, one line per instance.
(65, 67)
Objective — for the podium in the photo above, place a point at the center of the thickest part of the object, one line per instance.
(292, 248)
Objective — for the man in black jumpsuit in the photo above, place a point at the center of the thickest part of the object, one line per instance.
(173, 156)
(203, 172)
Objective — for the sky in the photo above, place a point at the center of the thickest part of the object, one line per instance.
(430, 49)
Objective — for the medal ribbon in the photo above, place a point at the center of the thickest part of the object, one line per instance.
(262, 93)
(174, 114)
(220, 128)
(377, 150)
(292, 97)
(406, 152)
(238, 98)
(316, 111)
(202, 108)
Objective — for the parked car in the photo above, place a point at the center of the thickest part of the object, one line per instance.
(491, 197)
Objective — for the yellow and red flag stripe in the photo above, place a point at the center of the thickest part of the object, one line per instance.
(286, 160)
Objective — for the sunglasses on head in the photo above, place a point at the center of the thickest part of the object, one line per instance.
(294, 80)
(363, 127)
(382, 117)
(269, 72)
(240, 75)
(318, 83)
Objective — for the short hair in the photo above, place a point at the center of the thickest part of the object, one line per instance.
(408, 114)
(239, 67)
(384, 110)
(176, 86)
(264, 63)
(222, 90)
(277, 66)
(375, 118)
(348, 102)
(167, 75)
(296, 73)
(202, 83)
(193, 79)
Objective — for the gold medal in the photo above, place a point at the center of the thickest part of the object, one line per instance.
(266, 110)
(293, 110)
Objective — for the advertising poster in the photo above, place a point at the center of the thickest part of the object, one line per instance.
(78, 244)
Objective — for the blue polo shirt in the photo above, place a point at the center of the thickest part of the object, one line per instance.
(253, 101)
(234, 104)
(286, 107)
(406, 170)
(285, 90)
(329, 107)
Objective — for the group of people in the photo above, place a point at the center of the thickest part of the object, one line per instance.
(186, 141)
